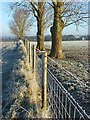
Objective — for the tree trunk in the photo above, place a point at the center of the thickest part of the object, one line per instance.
(40, 27)
(56, 32)
(40, 35)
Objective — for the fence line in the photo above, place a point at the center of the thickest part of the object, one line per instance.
(70, 108)
(61, 103)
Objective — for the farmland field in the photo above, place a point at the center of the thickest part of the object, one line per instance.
(76, 57)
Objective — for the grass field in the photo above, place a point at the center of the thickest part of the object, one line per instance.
(76, 57)
(75, 61)
(20, 91)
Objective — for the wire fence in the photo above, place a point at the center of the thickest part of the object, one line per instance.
(61, 103)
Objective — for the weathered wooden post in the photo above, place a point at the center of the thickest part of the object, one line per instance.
(34, 61)
(25, 43)
(44, 80)
(30, 54)
(27, 47)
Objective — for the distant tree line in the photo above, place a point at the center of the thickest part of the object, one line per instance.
(69, 37)
(48, 38)
(64, 38)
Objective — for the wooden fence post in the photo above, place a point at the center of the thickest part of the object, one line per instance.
(26, 44)
(24, 41)
(34, 61)
(30, 54)
(28, 48)
(44, 80)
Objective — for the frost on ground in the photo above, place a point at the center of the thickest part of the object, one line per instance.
(21, 94)
(76, 62)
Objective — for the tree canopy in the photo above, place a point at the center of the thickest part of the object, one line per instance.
(21, 22)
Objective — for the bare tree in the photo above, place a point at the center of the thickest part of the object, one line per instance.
(38, 11)
(20, 22)
(42, 12)
(65, 14)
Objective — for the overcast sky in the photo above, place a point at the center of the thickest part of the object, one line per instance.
(5, 21)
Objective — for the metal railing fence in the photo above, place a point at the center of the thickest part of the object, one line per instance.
(61, 103)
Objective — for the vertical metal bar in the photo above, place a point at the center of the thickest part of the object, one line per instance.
(65, 106)
(51, 91)
(59, 102)
(74, 113)
(53, 95)
(69, 109)
(54, 99)
(62, 104)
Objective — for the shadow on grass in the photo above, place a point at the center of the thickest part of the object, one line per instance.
(9, 58)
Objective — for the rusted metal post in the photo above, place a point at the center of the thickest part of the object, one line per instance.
(44, 80)
(34, 60)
